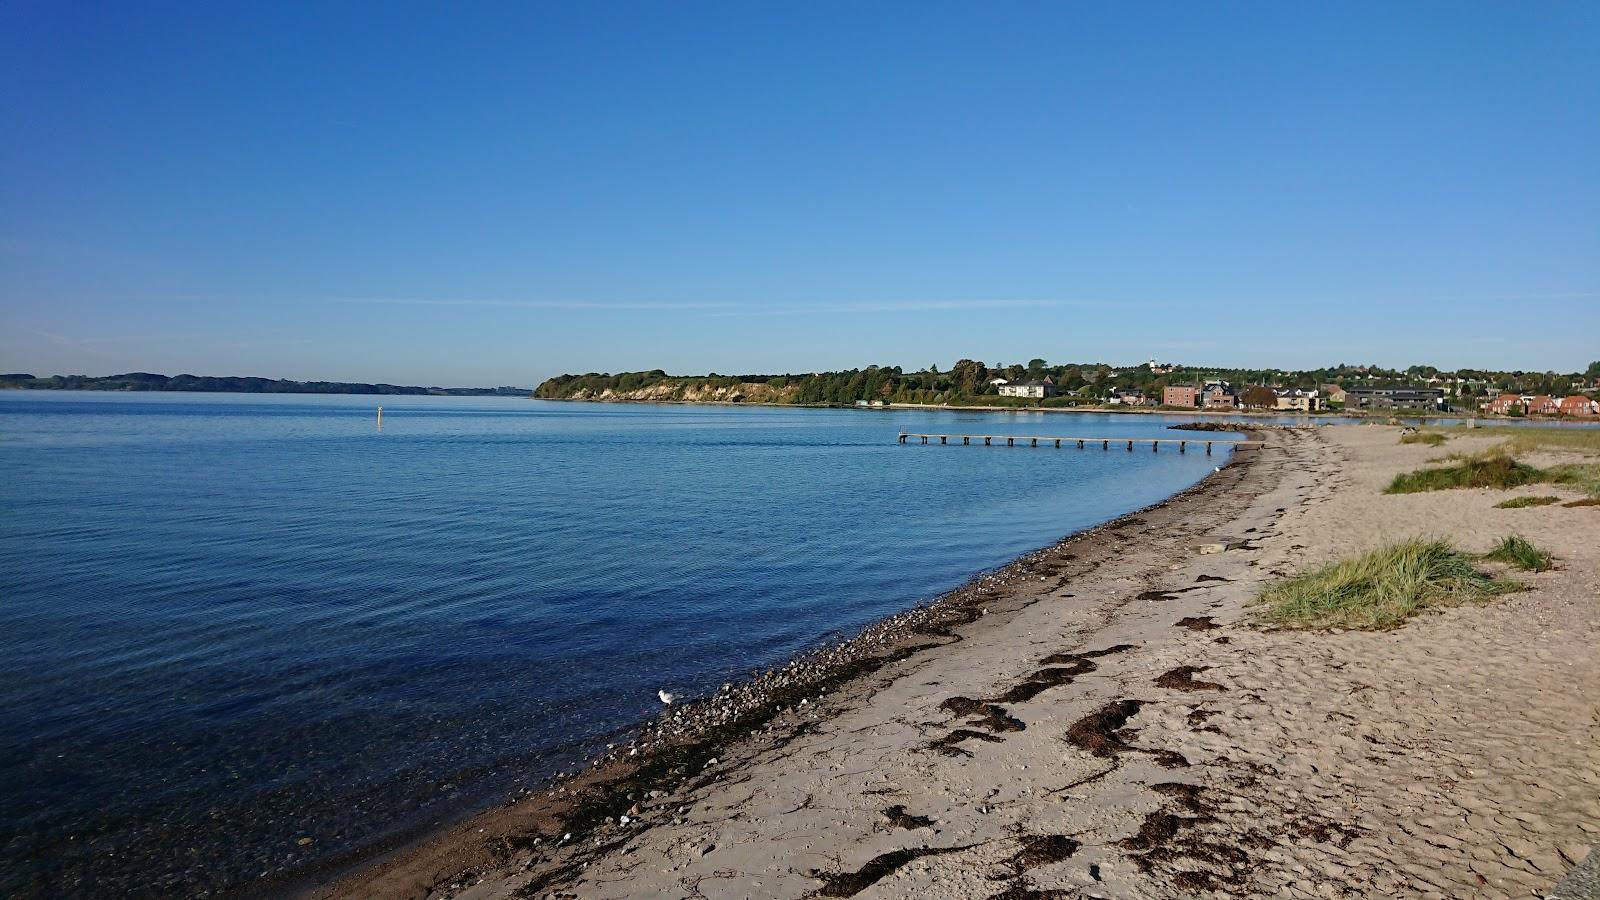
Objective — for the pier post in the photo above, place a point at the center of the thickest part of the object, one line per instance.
(1130, 446)
(1058, 443)
(1154, 446)
(902, 437)
(1033, 442)
(941, 438)
(380, 417)
(1080, 445)
(924, 439)
(1208, 448)
(1011, 442)
(965, 440)
(1181, 445)
(1105, 444)
(986, 440)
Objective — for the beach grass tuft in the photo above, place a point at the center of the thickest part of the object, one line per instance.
(1523, 502)
(1518, 551)
(1496, 471)
(1583, 476)
(1378, 589)
(1430, 438)
(1526, 439)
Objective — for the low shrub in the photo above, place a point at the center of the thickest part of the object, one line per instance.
(1430, 438)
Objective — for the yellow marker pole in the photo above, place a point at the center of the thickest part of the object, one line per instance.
(380, 417)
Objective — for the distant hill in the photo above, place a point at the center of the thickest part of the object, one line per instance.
(233, 384)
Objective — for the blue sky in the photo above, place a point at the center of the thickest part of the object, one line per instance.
(491, 194)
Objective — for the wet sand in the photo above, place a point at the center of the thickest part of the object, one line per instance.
(1096, 720)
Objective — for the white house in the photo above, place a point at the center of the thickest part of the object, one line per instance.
(1035, 389)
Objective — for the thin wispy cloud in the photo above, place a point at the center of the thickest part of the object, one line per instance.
(723, 309)
(670, 306)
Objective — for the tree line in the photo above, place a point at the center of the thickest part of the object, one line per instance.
(968, 382)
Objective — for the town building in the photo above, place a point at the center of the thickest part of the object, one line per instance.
(1220, 395)
(1180, 395)
(1505, 403)
(1333, 393)
(1579, 405)
(1543, 405)
(1129, 397)
(1395, 398)
(1297, 399)
(1037, 390)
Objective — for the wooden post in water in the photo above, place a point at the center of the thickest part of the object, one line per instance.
(1130, 446)
(1208, 448)
(1181, 445)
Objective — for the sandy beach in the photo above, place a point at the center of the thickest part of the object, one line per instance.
(1099, 719)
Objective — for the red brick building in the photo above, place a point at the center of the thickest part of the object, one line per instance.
(1579, 405)
(1503, 404)
(1543, 405)
(1181, 395)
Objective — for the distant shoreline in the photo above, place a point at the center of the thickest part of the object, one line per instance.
(149, 382)
(1114, 410)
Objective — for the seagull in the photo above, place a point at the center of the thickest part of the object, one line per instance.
(666, 697)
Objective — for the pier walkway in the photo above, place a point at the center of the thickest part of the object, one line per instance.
(1034, 440)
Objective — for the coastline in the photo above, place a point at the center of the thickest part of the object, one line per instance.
(1319, 417)
(829, 677)
(1099, 718)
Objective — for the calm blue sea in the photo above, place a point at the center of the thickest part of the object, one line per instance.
(230, 622)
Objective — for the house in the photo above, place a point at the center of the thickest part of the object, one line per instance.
(1127, 397)
(1542, 405)
(1298, 399)
(1035, 389)
(1579, 405)
(1394, 398)
(1219, 395)
(1333, 392)
(1180, 395)
(1505, 403)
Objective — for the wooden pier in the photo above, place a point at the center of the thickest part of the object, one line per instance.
(1032, 440)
